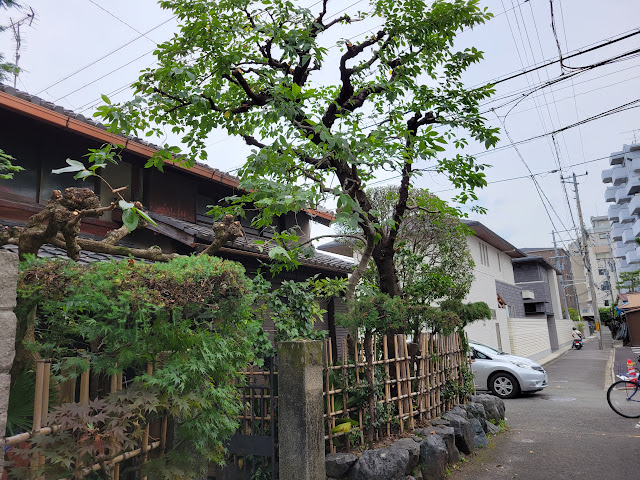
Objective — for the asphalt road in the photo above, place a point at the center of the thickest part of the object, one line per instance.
(567, 431)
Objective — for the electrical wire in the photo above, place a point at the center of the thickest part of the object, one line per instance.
(104, 56)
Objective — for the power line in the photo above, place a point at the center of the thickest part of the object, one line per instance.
(605, 44)
(105, 56)
(121, 21)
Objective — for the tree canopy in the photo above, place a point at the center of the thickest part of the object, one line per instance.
(325, 116)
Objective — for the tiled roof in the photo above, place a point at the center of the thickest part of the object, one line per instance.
(247, 244)
(90, 121)
(49, 251)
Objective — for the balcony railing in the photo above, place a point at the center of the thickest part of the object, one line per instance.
(620, 175)
(606, 175)
(616, 158)
(610, 194)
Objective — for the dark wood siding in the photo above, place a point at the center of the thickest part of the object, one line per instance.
(171, 194)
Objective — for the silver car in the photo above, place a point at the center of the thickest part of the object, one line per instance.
(505, 375)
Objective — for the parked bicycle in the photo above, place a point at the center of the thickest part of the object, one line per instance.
(623, 396)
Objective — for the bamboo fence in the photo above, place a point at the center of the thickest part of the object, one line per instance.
(411, 388)
(70, 392)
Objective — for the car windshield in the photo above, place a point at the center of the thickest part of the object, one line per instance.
(486, 350)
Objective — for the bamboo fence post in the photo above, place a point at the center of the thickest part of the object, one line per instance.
(345, 386)
(398, 382)
(327, 394)
(357, 367)
(84, 387)
(408, 371)
(387, 386)
(37, 411)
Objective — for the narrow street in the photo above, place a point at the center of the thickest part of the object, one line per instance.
(566, 431)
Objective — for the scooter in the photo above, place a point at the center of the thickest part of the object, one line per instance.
(577, 343)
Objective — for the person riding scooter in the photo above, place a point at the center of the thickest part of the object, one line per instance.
(577, 338)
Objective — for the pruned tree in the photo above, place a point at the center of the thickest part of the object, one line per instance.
(629, 281)
(325, 116)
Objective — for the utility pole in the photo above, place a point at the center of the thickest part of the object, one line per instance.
(587, 265)
(564, 294)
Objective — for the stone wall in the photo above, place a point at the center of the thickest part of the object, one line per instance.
(8, 283)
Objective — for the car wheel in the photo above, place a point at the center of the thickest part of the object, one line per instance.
(504, 385)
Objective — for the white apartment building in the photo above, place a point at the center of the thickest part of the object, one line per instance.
(624, 211)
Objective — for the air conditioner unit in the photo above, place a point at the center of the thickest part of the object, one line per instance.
(528, 295)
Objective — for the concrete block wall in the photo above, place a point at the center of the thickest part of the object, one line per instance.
(530, 337)
(8, 322)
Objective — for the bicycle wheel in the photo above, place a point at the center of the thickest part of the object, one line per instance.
(624, 398)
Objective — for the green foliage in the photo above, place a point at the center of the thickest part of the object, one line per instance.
(293, 307)
(99, 158)
(606, 314)
(7, 169)
(574, 314)
(190, 317)
(432, 257)
(376, 313)
(21, 395)
(461, 389)
(629, 281)
(261, 71)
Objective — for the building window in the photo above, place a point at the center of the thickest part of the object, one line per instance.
(494, 315)
(603, 271)
(484, 254)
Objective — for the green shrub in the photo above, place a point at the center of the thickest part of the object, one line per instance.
(190, 318)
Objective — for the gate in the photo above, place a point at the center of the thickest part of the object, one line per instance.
(253, 450)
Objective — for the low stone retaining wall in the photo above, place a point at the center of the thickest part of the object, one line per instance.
(426, 454)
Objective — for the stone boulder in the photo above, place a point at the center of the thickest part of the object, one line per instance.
(338, 464)
(480, 439)
(412, 447)
(433, 458)
(381, 464)
(447, 434)
(494, 407)
(492, 429)
(476, 410)
(457, 410)
(440, 422)
(463, 432)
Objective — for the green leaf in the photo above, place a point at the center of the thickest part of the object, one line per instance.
(74, 166)
(278, 251)
(130, 219)
(145, 216)
(124, 205)
(83, 174)
(105, 99)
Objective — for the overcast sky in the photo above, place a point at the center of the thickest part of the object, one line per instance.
(61, 54)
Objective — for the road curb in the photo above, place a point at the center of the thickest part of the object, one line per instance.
(609, 374)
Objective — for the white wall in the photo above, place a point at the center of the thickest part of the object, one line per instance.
(483, 289)
(530, 337)
(564, 327)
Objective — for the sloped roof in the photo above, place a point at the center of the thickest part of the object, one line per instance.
(247, 244)
(485, 234)
(629, 302)
(536, 259)
(48, 112)
(86, 258)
